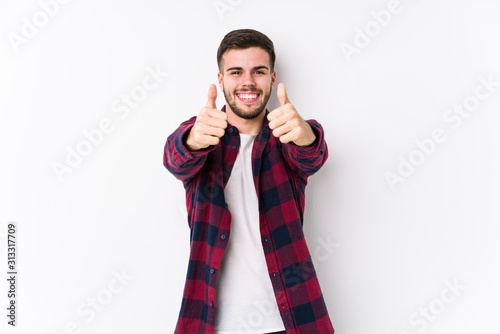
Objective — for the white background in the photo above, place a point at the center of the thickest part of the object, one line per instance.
(383, 255)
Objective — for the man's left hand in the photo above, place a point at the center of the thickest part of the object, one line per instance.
(286, 123)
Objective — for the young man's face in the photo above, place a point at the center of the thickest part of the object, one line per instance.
(247, 81)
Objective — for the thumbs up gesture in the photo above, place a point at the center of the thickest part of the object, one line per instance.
(209, 125)
(286, 123)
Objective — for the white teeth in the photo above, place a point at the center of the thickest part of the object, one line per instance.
(248, 96)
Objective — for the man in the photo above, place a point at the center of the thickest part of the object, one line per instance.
(244, 170)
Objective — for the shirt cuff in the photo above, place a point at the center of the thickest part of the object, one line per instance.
(316, 145)
(182, 149)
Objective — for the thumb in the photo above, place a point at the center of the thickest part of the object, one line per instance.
(212, 96)
(282, 97)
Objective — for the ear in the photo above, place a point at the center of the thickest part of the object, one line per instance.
(220, 78)
(273, 80)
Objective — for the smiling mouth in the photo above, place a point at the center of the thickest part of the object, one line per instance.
(248, 97)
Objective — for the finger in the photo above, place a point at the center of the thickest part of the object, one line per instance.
(217, 114)
(289, 136)
(281, 115)
(212, 96)
(276, 123)
(216, 122)
(282, 129)
(275, 114)
(210, 140)
(282, 97)
(213, 131)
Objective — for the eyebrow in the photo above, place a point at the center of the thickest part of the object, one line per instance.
(241, 68)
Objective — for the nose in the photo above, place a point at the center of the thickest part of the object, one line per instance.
(248, 80)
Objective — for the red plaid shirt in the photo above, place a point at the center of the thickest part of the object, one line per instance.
(280, 173)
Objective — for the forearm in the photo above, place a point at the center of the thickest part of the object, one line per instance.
(182, 162)
(307, 160)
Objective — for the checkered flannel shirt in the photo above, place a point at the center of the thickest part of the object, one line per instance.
(280, 173)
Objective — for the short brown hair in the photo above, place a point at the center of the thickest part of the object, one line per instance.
(243, 39)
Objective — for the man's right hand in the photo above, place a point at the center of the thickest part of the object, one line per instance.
(209, 125)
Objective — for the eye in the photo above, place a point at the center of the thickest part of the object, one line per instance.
(235, 72)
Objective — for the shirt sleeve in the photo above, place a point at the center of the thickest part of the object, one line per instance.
(178, 159)
(307, 160)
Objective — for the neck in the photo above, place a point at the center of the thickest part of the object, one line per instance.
(245, 126)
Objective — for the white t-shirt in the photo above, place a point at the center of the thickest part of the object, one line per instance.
(245, 296)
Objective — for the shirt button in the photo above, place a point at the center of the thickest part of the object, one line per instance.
(231, 130)
(212, 304)
(223, 236)
(212, 270)
(233, 147)
(274, 274)
(265, 239)
(283, 306)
